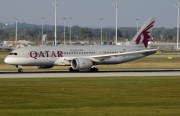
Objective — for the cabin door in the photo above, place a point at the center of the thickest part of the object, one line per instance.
(26, 52)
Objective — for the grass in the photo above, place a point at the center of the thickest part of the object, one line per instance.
(111, 96)
(146, 63)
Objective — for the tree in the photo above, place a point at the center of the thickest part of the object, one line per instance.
(86, 33)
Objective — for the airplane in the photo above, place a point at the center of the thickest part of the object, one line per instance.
(84, 58)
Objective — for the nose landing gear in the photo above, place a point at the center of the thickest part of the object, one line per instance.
(19, 68)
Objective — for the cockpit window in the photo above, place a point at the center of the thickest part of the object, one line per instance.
(13, 53)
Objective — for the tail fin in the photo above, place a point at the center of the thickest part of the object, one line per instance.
(144, 33)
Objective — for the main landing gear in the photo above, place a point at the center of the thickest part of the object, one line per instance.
(94, 69)
(91, 69)
(72, 70)
(20, 70)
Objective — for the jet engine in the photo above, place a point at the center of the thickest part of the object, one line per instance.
(81, 64)
(43, 67)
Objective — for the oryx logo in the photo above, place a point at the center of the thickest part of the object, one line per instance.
(144, 35)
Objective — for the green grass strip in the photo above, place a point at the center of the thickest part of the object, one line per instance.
(111, 96)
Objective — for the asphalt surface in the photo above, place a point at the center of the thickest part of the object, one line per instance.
(109, 73)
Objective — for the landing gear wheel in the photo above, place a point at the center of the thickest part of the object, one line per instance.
(94, 69)
(20, 70)
(72, 70)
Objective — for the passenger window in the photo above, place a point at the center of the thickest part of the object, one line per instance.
(15, 53)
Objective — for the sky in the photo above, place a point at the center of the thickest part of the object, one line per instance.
(87, 13)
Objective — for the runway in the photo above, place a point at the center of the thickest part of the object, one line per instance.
(109, 73)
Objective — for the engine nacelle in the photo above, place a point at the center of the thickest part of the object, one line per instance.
(43, 67)
(81, 64)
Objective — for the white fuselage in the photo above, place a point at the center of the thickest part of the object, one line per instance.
(62, 55)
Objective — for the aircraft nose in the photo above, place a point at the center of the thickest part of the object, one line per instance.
(7, 60)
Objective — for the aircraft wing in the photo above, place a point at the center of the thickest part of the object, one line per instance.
(98, 58)
(105, 57)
